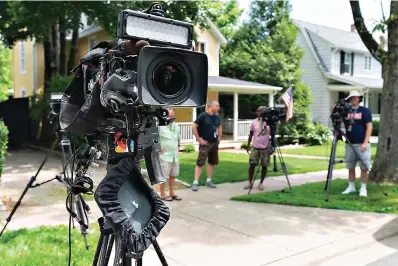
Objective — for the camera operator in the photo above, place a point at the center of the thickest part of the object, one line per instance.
(358, 124)
(170, 142)
(208, 131)
(260, 133)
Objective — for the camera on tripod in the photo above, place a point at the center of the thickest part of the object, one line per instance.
(340, 110)
(273, 115)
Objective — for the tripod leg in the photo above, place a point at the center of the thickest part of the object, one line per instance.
(98, 250)
(29, 185)
(82, 217)
(254, 179)
(160, 253)
(330, 168)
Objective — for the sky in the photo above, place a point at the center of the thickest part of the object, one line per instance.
(332, 13)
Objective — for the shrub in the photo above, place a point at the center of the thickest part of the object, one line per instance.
(3, 144)
(244, 145)
(318, 134)
(189, 148)
(376, 126)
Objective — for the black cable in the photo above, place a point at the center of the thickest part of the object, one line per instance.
(70, 240)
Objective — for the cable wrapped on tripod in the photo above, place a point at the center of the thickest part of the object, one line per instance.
(130, 206)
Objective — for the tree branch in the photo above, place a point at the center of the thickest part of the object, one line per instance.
(366, 37)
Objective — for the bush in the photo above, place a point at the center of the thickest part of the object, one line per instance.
(244, 145)
(3, 144)
(376, 126)
(318, 134)
(189, 148)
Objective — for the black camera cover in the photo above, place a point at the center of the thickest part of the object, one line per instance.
(130, 206)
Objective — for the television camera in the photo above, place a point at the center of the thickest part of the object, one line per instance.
(119, 95)
(273, 115)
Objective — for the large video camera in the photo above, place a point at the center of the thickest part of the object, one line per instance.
(340, 110)
(273, 115)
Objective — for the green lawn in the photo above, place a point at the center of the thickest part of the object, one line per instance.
(313, 195)
(233, 167)
(46, 246)
(324, 150)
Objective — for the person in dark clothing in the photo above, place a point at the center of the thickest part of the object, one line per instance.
(208, 131)
(358, 124)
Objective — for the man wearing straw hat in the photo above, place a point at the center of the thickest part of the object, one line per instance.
(358, 124)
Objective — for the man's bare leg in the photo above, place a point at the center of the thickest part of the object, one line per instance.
(363, 192)
(351, 175)
(172, 180)
(210, 171)
(162, 190)
(198, 173)
(252, 167)
(351, 182)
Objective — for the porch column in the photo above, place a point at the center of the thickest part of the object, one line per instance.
(367, 99)
(194, 115)
(235, 131)
(271, 99)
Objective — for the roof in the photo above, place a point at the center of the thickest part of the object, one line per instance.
(372, 83)
(93, 29)
(235, 85)
(338, 38)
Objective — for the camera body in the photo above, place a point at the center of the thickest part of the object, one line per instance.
(273, 115)
(340, 110)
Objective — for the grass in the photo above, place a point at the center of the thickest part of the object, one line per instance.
(324, 150)
(233, 167)
(46, 246)
(313, 195)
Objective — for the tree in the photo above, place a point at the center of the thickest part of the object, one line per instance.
(5, 72)
(264, 50)
(385, 166)
(225, 14)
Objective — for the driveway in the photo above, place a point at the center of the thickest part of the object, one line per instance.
(206, 228)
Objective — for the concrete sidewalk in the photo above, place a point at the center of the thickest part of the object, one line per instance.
(206, 228)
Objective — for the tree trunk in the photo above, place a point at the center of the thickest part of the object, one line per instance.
(55, 49)
(385, 166)
(47, 64)
(62, 47)
(74, 45)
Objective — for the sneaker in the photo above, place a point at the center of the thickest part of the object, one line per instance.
(248, 186)
(349, 190)
(260, 187)
(210, 184)
(195, 187)
(363, 192)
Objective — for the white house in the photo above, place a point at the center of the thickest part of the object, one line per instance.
(334, 63)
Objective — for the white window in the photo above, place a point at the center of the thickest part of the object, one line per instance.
(368, 63)
(22, 57)
(91, 43)
(201, 47)
(347, 63)
(23, 93)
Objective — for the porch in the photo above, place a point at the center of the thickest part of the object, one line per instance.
(235, 130)
(371, 89)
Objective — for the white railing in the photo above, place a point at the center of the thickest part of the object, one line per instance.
(228, 126)
(243, 129)
(376, 117)
(186, 132)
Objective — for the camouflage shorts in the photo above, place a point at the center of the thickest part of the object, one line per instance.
(259, 154)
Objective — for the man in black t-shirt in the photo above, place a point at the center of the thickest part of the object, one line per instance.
(358, 124)
(208, 131)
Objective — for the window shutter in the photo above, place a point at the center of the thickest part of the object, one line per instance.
(342, 55)
(352, 64)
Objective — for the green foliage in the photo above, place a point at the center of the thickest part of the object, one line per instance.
(244, 145)
(189, 148)
(225, 14)
(376, 126)
(40, 105)
(5, 72)
(264, 50)
(3, 144)
(318, 134)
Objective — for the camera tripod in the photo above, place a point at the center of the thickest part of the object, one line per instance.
(277, 152)
(338, 135)
(65, 177)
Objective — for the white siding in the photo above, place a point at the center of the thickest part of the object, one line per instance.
(335, 62)
(323, 48)
(315, 79)
(359, 67)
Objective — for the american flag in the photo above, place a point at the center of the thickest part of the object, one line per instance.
(287, 98)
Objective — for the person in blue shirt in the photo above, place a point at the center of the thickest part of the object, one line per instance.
(358, 124)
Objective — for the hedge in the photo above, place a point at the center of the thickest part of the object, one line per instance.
(3, 144)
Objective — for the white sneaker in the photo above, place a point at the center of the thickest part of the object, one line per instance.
(363, 192)
(349, 190)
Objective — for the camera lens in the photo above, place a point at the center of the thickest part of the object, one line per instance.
(169, 79)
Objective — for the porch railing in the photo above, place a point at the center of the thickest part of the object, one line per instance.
(186, 132)
(243, 129)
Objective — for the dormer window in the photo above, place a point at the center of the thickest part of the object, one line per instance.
(368, 63)
(346, 63)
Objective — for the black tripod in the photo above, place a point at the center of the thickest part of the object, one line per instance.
(64, 177)
(338, 135)
(277, 152)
